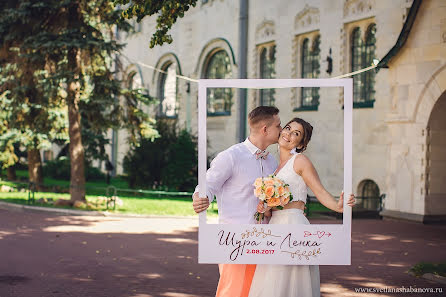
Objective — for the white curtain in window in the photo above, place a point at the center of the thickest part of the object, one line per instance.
(170, 92)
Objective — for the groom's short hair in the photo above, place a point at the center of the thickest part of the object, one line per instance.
(262, 113)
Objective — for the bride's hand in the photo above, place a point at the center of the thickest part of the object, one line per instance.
(262, 209)
(351, 201)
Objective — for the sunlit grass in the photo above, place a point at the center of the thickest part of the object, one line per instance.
(175, 206)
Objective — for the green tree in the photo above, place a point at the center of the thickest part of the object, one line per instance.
(28, 115)
(57, 61)
(8, 157)
(167, 11)
(71, 50)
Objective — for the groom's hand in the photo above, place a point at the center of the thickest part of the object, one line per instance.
(200, 204)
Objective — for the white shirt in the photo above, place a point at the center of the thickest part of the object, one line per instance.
(231, 177)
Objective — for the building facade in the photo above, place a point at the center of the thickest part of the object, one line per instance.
(399, 123)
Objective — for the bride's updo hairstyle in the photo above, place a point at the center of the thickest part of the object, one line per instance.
(308, 131)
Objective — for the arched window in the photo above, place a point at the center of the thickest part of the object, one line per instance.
(135, 82)
(362, 55)
(219, 99)
(369, 76)
(310, 69)
(368, 192)
(167, 91)
(267, 70)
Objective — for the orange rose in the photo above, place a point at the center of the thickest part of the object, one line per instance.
(257, 191)
(280, 191)
(273, 202)
(258, 182)
(269, 191)
(269, 182)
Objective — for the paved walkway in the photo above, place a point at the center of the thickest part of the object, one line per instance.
(45, 255)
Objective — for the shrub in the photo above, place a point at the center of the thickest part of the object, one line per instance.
(180, 172)
(61, 169)
(168, 163)
(94, 174)
(423, 267)
(57, 169)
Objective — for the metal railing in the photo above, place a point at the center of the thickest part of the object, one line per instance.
(110, 192)
(363, 204)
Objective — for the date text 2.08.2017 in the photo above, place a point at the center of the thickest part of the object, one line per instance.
(248, 251)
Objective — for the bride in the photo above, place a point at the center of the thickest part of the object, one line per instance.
(297, 171)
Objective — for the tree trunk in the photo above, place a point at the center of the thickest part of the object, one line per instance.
(35, 168)
(10, 173)
(77, 183)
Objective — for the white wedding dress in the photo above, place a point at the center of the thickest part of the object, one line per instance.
(288, 280)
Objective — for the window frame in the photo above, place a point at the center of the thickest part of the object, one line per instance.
(314, 39)
(362, 54)
(310, 56)
(267, 70)
(160, 91)
(212, 55)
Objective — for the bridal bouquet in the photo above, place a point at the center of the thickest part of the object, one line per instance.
(273, 191)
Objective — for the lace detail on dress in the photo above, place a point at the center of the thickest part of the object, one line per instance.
(297, 185)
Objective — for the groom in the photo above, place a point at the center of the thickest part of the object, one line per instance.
(230, 178)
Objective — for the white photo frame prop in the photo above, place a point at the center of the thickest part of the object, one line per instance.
(326, 244)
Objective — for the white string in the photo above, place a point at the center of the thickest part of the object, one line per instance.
(196, 80)
(356, 72)
(162, 71)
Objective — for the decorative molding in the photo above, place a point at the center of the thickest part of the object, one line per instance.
(255, 74)
(429, 96)
(307, 19)
(137, 70)
(162, 61)
(215, 44)
(265, 32)
(357, 9)
(295, 52)
(344, 45)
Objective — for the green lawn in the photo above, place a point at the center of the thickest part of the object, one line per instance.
(317, 207)
(134, 201)
(92, 187)
(178, 206)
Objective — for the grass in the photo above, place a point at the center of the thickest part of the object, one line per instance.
(422, 268)
(93, 187)
(177, 206)
(317, 207)
(134, 201)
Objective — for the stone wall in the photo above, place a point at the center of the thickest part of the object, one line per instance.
(389, 139)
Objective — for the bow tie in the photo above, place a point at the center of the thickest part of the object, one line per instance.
(261, 154)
